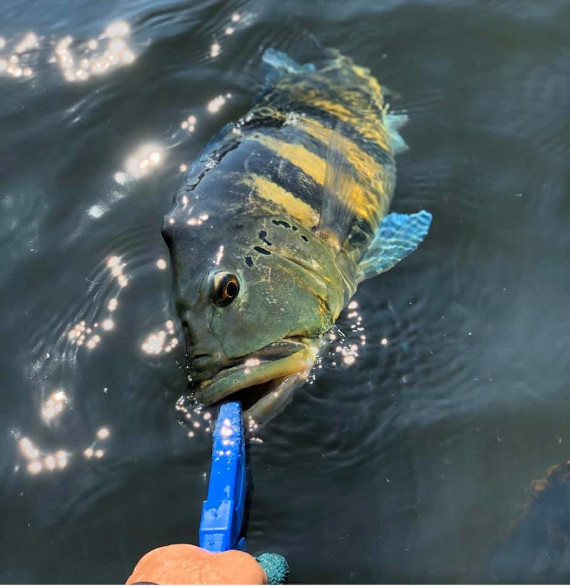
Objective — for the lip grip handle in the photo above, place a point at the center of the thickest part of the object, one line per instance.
(224, 509)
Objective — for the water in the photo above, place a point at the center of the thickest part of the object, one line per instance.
(411, 464)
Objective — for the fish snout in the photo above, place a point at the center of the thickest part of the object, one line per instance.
(204, 354)
(202, 364)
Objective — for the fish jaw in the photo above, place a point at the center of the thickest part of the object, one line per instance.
(278, 395)
(278, 366)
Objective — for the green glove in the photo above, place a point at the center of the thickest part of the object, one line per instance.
(275, 567)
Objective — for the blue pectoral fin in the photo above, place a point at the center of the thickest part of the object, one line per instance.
(397, 236)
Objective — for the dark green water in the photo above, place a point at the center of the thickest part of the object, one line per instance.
(410, 465)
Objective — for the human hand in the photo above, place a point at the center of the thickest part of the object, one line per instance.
(189, 564)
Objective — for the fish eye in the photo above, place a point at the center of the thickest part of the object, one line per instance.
(225, 288)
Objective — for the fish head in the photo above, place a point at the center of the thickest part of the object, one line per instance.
(256, 296)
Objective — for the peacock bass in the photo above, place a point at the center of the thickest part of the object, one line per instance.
(278, 221)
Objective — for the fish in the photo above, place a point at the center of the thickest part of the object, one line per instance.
(276, 224)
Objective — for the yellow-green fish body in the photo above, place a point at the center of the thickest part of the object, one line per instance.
(278, 222)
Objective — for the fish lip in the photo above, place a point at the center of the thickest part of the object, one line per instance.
(204, 363)
(268, 364)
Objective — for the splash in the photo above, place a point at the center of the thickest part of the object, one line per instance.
(344, 348)
(193, 416)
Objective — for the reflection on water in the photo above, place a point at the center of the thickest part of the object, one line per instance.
(143, 161)
(78, 59)
(159, 341)
(89, 58)
(441, 394)
(17, 64)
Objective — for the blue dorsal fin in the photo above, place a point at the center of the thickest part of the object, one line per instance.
(397, 236)
(279, 64)
(393, 123)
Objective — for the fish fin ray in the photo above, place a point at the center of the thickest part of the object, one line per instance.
(336, 215)
(393, 123)
(398, 235)
(278, 64)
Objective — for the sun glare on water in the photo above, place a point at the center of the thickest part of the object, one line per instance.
(83, 61)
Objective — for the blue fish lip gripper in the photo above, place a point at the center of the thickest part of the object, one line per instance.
(223, 512)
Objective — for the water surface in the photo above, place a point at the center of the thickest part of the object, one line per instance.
(411, 464)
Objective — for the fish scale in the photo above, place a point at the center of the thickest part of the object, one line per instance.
(289, 204)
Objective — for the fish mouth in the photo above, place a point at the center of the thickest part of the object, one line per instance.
(263, 380)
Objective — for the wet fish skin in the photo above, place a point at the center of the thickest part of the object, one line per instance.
(288, 202)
